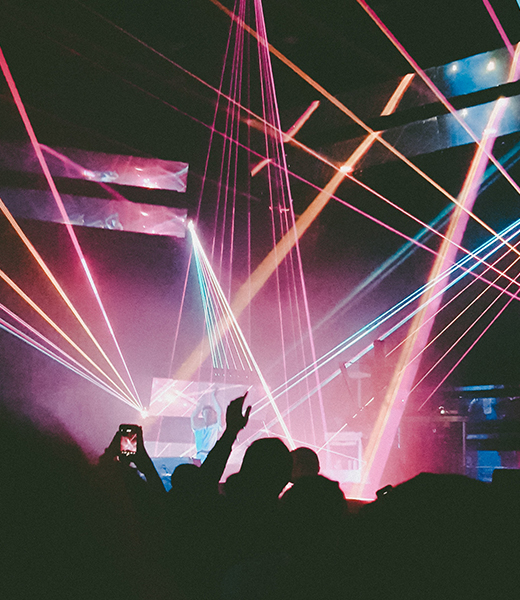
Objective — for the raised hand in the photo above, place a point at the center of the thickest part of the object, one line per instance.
(235, 420)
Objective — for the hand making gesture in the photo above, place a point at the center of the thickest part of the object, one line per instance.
(235, 420)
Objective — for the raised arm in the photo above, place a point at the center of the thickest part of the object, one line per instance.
(196, 421)
(112, 457)
(145, 464)
(208, 399)
(216, 406)
(215, 463)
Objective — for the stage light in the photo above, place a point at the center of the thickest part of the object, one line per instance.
(491, 65)
(454, 68)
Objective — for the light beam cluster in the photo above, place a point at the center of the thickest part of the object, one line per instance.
(229, 296)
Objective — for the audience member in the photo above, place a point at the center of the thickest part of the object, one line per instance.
(305, 463)
(64, 533)
(75, 530)
(316, 533)
(196, 521)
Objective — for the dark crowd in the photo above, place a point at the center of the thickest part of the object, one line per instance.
(73, 529)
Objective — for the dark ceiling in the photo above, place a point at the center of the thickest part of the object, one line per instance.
(75, 67)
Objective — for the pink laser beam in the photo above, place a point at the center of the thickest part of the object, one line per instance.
(499, 27)
(21, 109)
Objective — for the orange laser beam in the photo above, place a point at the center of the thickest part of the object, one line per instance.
(333, 100)
(292, 131)
(287, 136)
(259, 277)
(54, 190)
(55, 283)
(260, 166)
(402, 379)
(44, 316)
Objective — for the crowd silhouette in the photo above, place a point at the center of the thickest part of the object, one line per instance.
(71, 529)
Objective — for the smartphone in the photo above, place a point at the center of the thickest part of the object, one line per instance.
(128, 437)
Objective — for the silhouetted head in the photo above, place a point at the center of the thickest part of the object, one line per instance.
(305, 463)
(185, 477)
(266, 468)
(315, 499)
